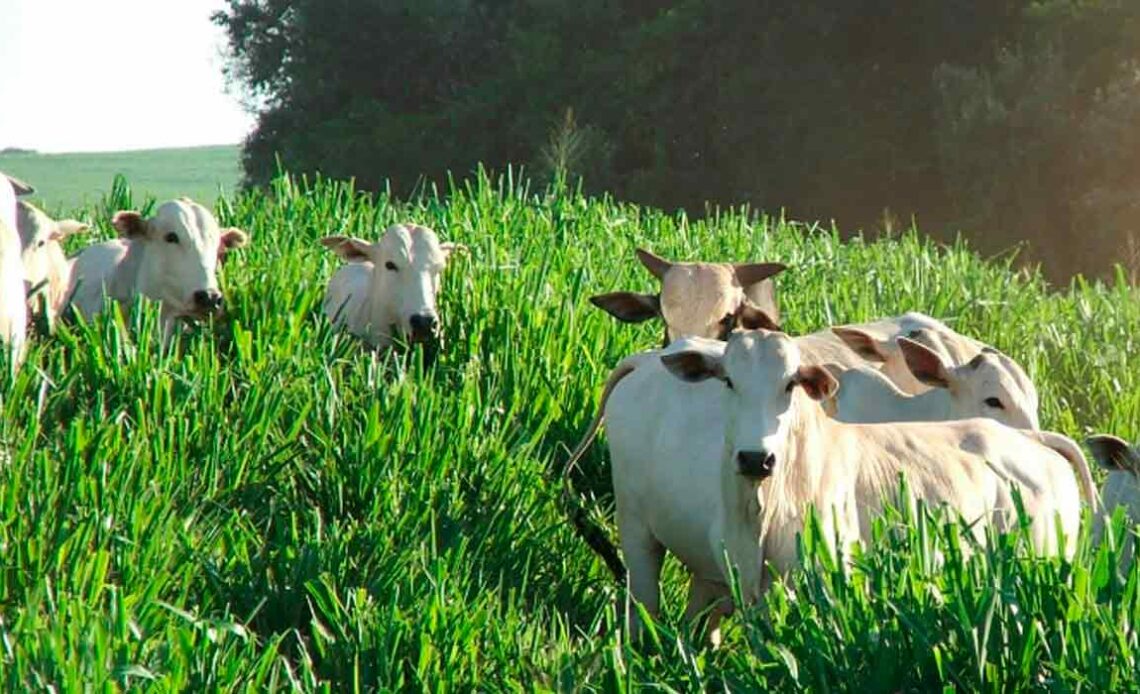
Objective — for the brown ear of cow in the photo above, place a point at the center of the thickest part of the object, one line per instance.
(233, 237)
(347, 247)
(750, 273)
(1113, 453)
(129, 224)
(657, 265)
(861, 343)
(750, 317)
(68, 227)
(629, 307)
(817, 382)
(924, 363)
(693, 366)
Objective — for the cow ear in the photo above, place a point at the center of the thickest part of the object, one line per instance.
(451, 247)
(232, 237)
(629, 307)
(817, 382)
(130, 224)
(68, 227)
(695, 365)
(924, 363)
(861, 343)
(748, 274)
(348, 247)
(1113, 453)
(654, 263)
(750, 317)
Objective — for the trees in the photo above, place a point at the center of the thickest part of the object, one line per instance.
(1002, 116)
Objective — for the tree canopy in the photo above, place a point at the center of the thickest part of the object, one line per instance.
(1008, 119)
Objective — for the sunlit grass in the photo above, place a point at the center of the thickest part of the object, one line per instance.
(264, 504)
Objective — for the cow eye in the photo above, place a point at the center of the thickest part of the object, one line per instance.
(391, 266)
(172, 237)
(995, 403)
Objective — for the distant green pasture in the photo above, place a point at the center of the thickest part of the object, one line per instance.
(68, 181)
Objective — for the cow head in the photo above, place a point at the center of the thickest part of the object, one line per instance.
(763, 376)
(989, 385)
(183, 243)
(407, 263)
(699, 299)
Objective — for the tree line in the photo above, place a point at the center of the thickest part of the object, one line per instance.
(1007, 120)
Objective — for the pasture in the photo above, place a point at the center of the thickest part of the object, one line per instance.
(267, 505)
(68, 181)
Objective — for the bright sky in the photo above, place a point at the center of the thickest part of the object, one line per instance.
(103, 75)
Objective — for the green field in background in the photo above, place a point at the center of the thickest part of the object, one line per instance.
(67, 181)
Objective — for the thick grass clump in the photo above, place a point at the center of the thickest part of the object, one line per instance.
(265, 504)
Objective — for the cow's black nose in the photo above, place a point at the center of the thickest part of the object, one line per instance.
(208, 299)
(756, 464)
(423, 325)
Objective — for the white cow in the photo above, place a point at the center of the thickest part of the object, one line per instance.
(171, 257)
(667, 440)
(389, 288)
(702, 299)
(1121, 487)
(13, 305)
(986, 386)
(46, 269)
(780, 454)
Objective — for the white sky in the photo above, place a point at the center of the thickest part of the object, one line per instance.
(103, 75)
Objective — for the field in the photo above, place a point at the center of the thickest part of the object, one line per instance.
(265, 505)
(67, 181)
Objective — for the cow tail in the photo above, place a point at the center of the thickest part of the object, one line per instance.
(589, 531)
(1076, 457)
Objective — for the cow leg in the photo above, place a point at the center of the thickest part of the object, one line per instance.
(702, 595)
(644, 556)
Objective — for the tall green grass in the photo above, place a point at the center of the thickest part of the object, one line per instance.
(265, 505)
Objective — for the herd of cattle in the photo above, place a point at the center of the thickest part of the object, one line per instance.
(721, 441)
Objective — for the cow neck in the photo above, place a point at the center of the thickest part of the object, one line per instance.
(128, 276)
(801, 472)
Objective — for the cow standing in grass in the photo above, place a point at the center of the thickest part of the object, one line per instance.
(47, 270)
(776, 454)
(171, 258)
(389, 289)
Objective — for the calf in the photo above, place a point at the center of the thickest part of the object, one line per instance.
(702, 299)
(171, 258)
(389, 288)
(47, 270)
(986, 386)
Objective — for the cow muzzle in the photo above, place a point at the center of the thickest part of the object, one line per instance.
(423, 327)
(208, 300)
(756, 465)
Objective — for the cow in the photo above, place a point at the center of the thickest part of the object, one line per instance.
(47, 270)
(989, 385)
(753, 400)
(779, 455)
(703, 299)
(13, 304)
(1121, 487)
(389, 288)
(171, 258)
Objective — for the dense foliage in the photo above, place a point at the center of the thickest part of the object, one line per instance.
(267, 505)
(1010, 119)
